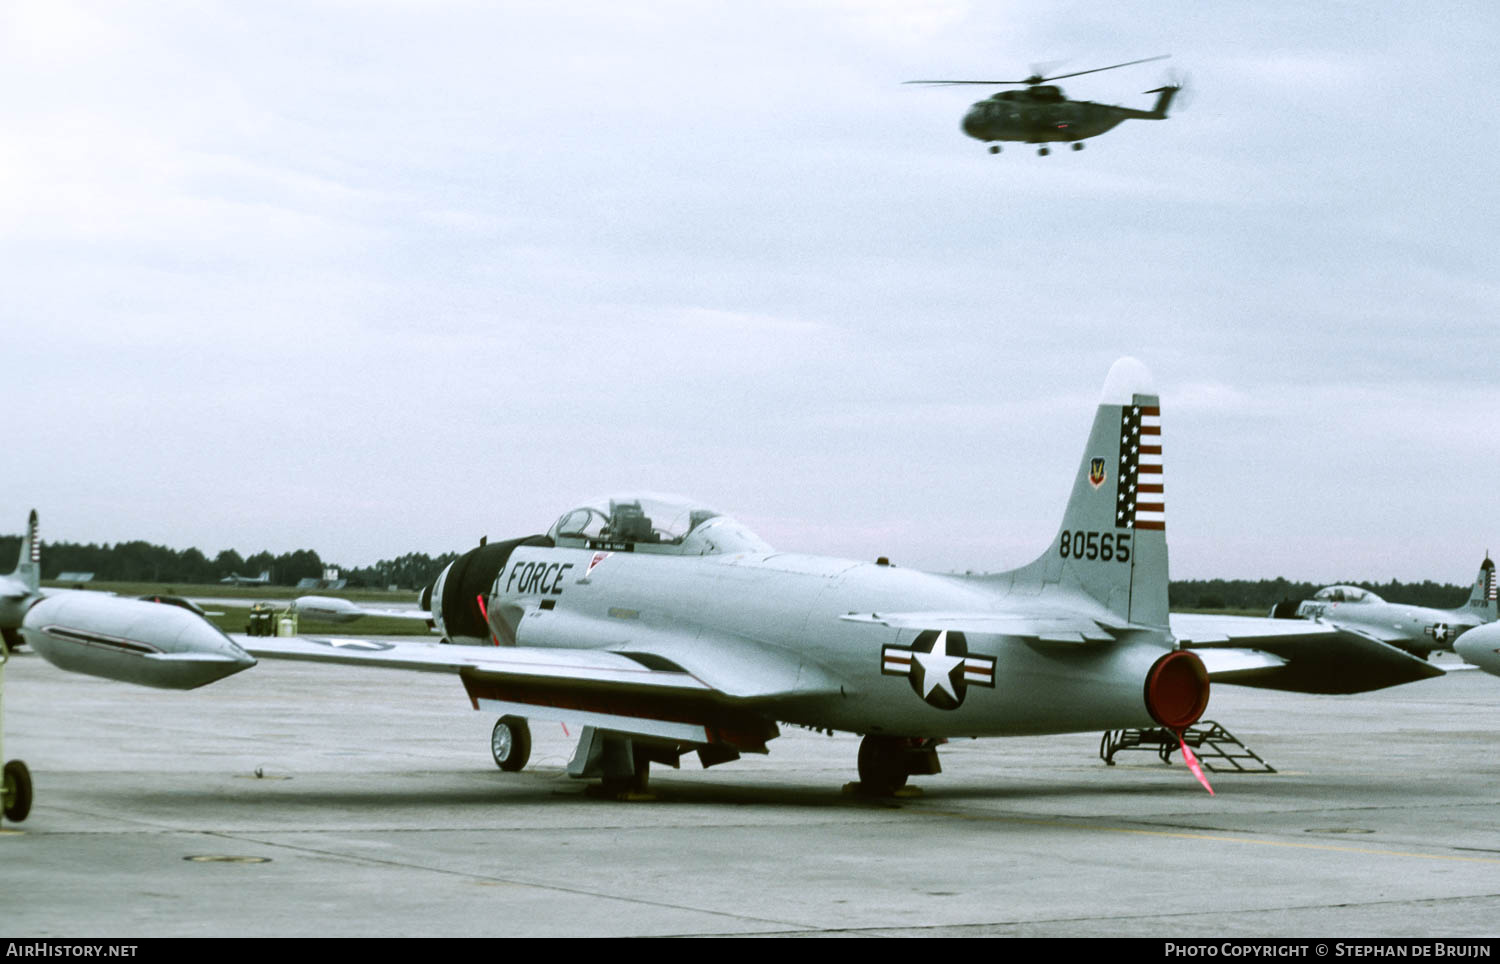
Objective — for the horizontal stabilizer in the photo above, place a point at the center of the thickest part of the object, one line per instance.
(1231, 665)
(1319, 658)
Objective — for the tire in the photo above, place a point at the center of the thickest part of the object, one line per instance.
(882, 771)
(510, 743)
(17, 791)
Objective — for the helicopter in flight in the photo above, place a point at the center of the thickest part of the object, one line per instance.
(1040, 114)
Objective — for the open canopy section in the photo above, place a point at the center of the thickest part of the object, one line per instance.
(1346, 594)
(647, 522)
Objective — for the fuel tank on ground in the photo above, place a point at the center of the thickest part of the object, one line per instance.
(131, 640)
(328, 608)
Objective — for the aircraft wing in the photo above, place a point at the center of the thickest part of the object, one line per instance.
(1315, 657)
(632, 690)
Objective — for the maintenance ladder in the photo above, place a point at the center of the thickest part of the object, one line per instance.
(1210, 742)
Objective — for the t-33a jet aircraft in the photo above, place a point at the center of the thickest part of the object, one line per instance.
(664, 629)
(1417, 629)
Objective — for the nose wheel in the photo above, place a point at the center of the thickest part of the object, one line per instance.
(1078, 146)
(1043, 151)
(994, 148)
(510, 743)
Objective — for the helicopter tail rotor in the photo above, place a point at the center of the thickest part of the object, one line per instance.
(1176, 91)
(1183, 81)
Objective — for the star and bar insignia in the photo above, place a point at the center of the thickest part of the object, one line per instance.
(939, 666)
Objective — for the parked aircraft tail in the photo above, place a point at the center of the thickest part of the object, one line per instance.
(29, 560)
(1482, 600)
(1113, 542)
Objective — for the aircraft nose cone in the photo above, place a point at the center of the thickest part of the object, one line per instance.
(973, 124)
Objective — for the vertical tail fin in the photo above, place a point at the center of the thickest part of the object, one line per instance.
(1113, 542)
(29, 559)
(1163, 101)
(1482, 600)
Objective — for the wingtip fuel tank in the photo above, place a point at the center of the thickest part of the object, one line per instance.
(131, 640)
(1481, 647)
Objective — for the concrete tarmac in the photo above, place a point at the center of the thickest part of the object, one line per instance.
(379, 813)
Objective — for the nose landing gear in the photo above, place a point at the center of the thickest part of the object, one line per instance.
(510, 743)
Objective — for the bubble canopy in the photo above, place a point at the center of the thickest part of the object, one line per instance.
(1346, 594)
(651, 522)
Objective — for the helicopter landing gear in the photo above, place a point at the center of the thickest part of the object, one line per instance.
(1078, 146)
(1043, 151)
(994, 148)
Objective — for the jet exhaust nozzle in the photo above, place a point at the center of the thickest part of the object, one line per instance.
(1177, 690)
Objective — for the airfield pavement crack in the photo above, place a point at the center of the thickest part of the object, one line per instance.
(957, 930)
(468, 875)
(1233, 837)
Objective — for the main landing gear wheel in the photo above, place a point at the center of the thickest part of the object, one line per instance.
(882, 765)
(1043, 151)
(637, 785)
(994, 148)
(510, 743)
(1078, 147)
(17, 791)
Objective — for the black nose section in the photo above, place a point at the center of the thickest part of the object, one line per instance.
(973, 124)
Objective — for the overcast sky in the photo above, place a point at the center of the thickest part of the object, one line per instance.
(374, 277)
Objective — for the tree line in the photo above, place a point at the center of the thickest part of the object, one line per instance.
(144, 562)
(1262, 594)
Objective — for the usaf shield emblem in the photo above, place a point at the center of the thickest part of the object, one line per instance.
(1096, 471)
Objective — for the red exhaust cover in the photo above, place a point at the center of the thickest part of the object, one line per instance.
(1177, 690)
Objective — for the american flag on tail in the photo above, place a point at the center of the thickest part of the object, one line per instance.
(1140, 502)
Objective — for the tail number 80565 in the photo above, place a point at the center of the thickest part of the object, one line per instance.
(1105, 546)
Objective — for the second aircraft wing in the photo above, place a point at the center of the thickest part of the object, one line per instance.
(1309, 657)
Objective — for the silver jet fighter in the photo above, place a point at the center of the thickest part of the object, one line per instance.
(1417, 629)
(665, 628)
(235, 579)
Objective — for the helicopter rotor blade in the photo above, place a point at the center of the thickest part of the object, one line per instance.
(1034, 79)
(1080, 73)
(954, 83)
